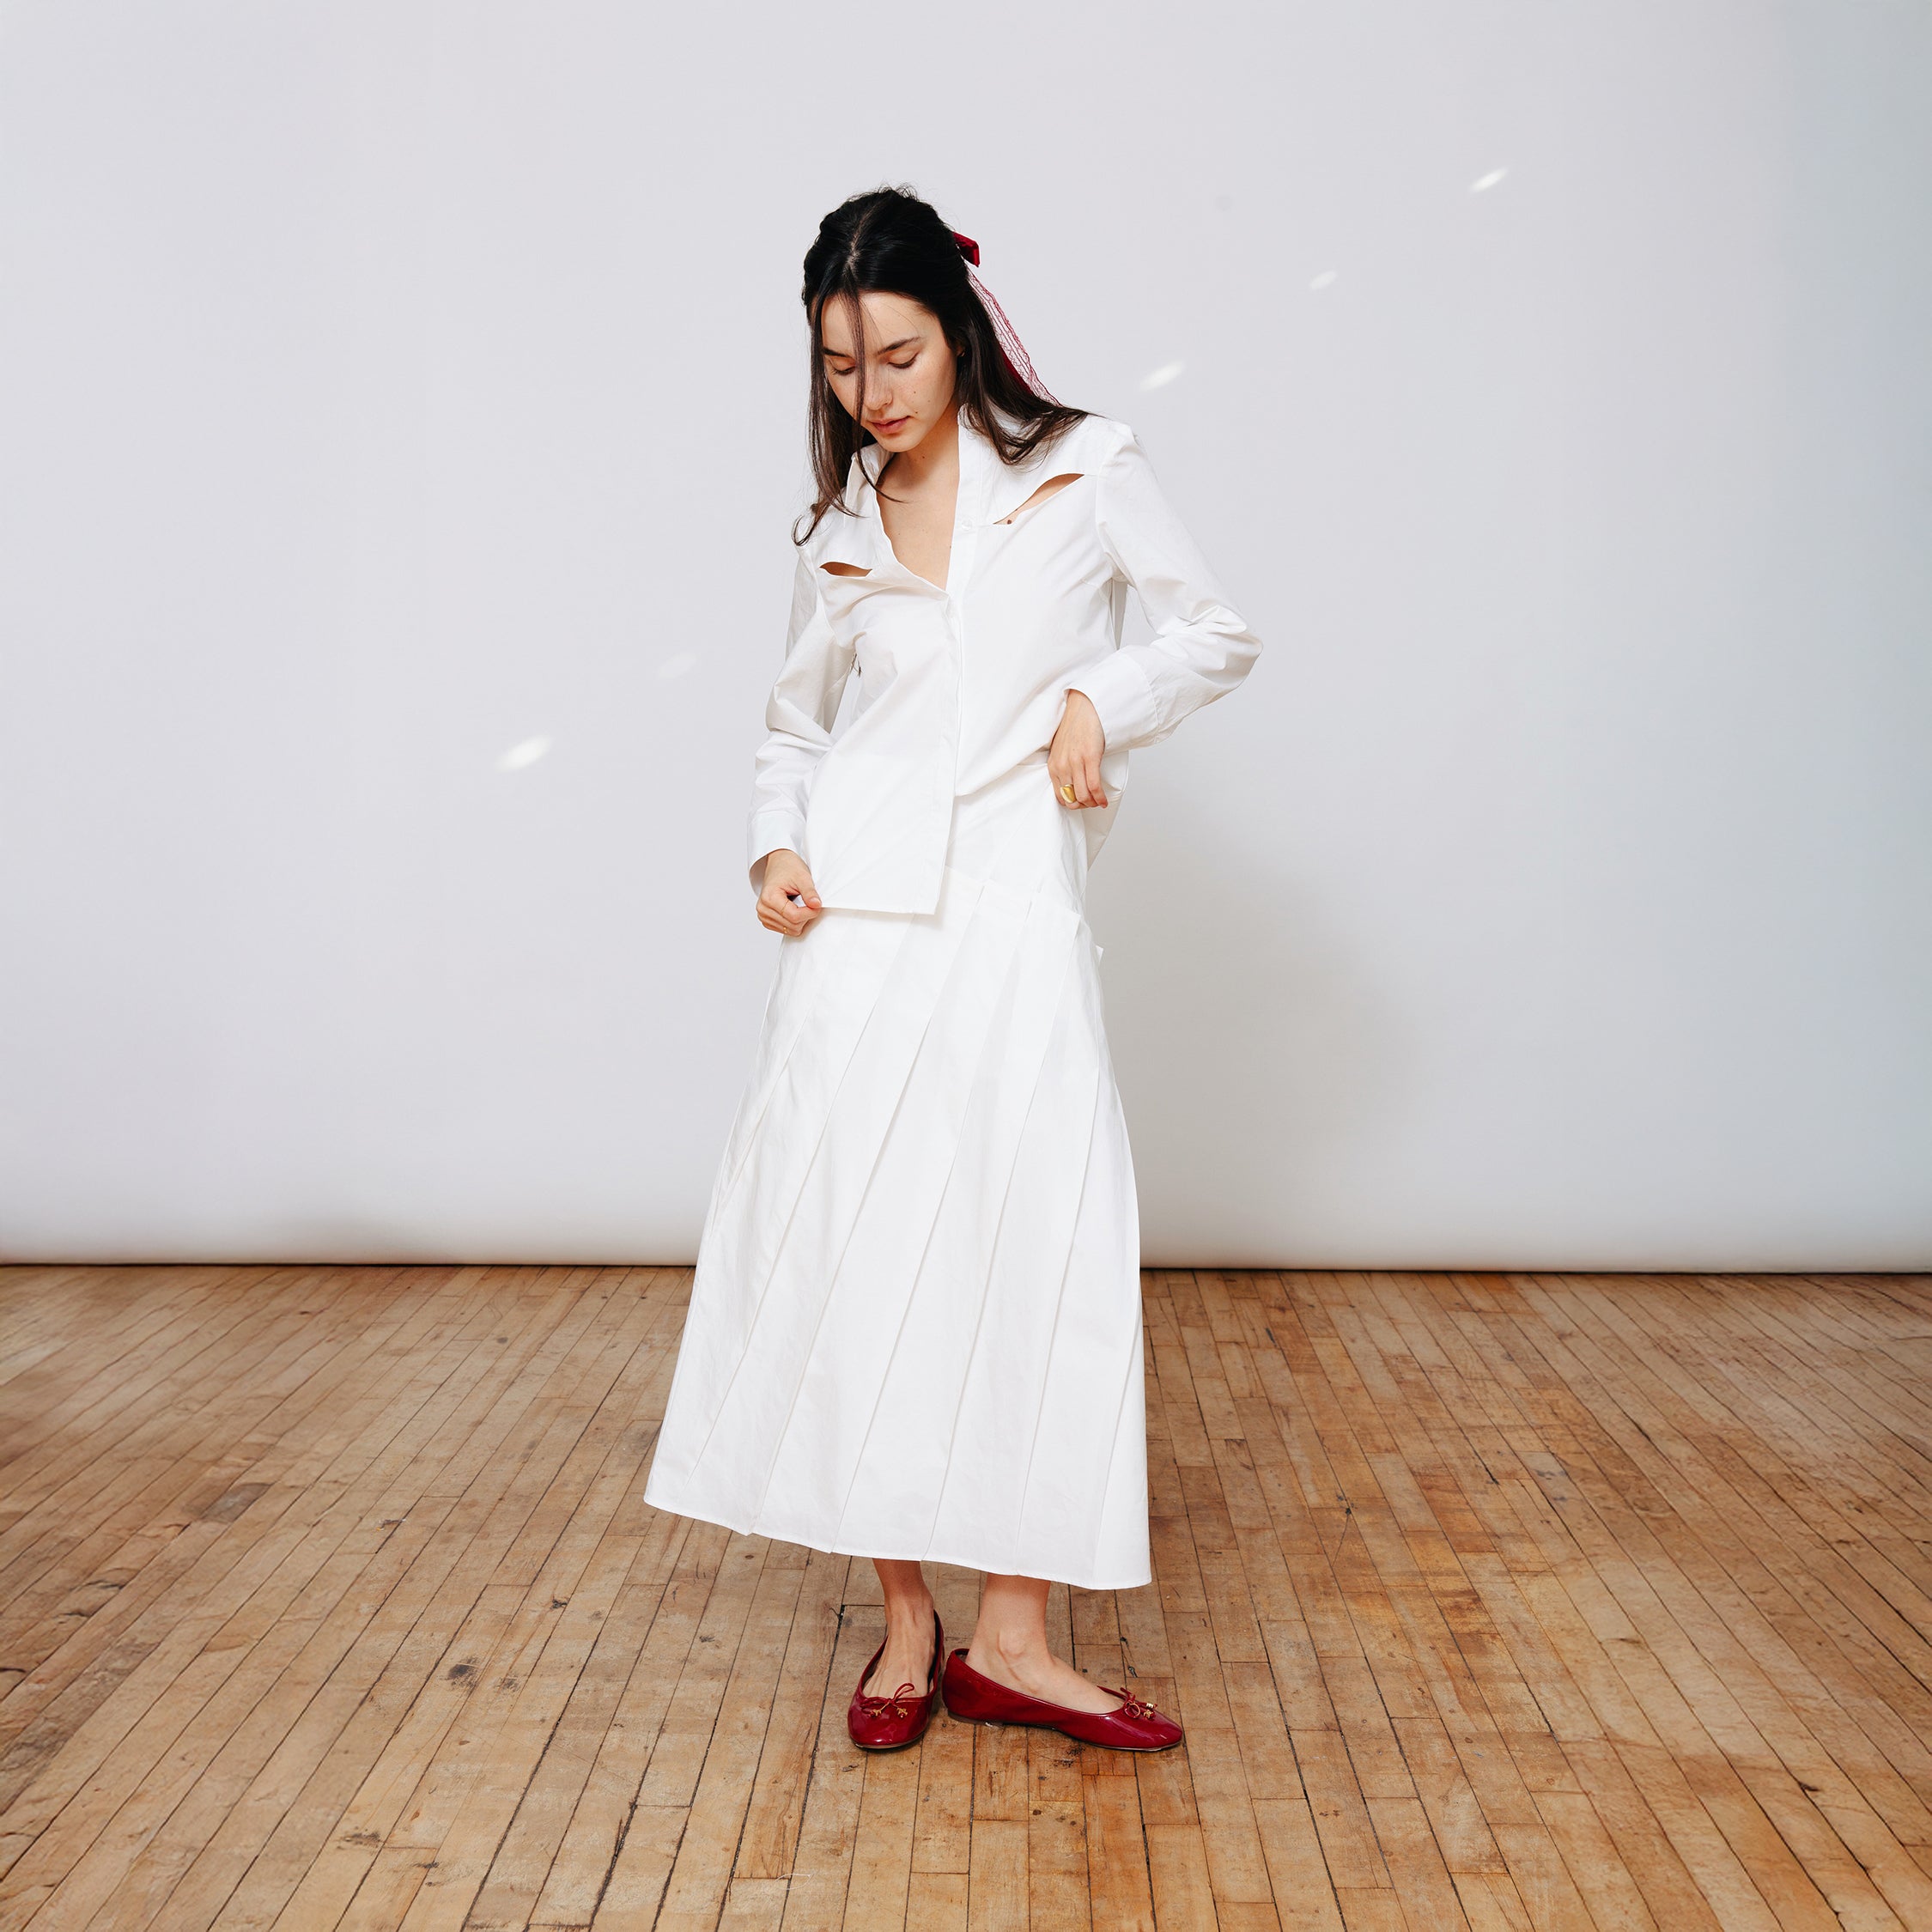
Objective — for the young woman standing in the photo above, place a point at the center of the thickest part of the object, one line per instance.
(915, 1331)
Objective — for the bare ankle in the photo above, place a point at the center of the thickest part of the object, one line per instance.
(1015, 1648)
(1007, 1656)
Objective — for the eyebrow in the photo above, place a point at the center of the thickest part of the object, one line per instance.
(846, 356)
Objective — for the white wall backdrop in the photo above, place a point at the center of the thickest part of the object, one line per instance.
(385, 387)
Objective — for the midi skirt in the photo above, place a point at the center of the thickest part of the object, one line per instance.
(915, 1327)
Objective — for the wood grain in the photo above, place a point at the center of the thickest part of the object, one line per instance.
(329, 1598)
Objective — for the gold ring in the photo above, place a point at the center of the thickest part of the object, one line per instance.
(1066, 792)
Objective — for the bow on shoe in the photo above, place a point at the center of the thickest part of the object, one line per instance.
(1133, 1707)
(893, 1706)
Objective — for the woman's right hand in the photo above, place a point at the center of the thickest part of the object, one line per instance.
(787, 901)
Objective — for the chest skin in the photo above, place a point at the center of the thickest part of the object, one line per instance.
(919, 520)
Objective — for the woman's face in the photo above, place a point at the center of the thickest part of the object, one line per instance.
(909, 367)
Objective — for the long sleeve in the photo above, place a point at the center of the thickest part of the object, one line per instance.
(1201, 648)
(798, 715)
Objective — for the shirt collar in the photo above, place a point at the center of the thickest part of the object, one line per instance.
(978, 459)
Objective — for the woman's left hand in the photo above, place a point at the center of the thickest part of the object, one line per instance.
(1073, 758)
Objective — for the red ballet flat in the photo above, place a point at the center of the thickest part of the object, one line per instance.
(1136, 1726)
(891, 1724)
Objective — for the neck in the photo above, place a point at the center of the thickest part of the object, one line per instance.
(936, 452)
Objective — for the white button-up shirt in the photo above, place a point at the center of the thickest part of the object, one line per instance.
(957, 685)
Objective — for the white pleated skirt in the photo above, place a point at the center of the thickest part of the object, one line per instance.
(915, 1328)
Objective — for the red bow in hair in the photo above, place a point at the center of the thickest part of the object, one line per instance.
(1016, 359)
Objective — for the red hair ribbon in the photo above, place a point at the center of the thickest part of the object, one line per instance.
(1010, 345)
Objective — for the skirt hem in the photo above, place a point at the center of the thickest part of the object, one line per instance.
(927, 1555)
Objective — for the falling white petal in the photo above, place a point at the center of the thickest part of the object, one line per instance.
(676, 664)
(1325, 279)
(1487, 180)
(519, 755)
(1162, 376)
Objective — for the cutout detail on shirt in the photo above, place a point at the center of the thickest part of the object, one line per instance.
(1051, 487)
(845, 570)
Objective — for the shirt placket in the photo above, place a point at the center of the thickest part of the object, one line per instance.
(968, 516)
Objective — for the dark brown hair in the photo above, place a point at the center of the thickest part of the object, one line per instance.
(888, 241)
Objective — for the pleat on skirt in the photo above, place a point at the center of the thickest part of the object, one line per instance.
(915, 1327)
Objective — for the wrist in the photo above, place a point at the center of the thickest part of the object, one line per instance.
(1080, 714)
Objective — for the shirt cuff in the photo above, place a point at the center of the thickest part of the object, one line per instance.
(1120, 692)
(771, 831)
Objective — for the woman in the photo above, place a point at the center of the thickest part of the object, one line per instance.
(915, 1329)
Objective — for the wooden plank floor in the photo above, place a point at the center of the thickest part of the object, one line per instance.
(328, 1597)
